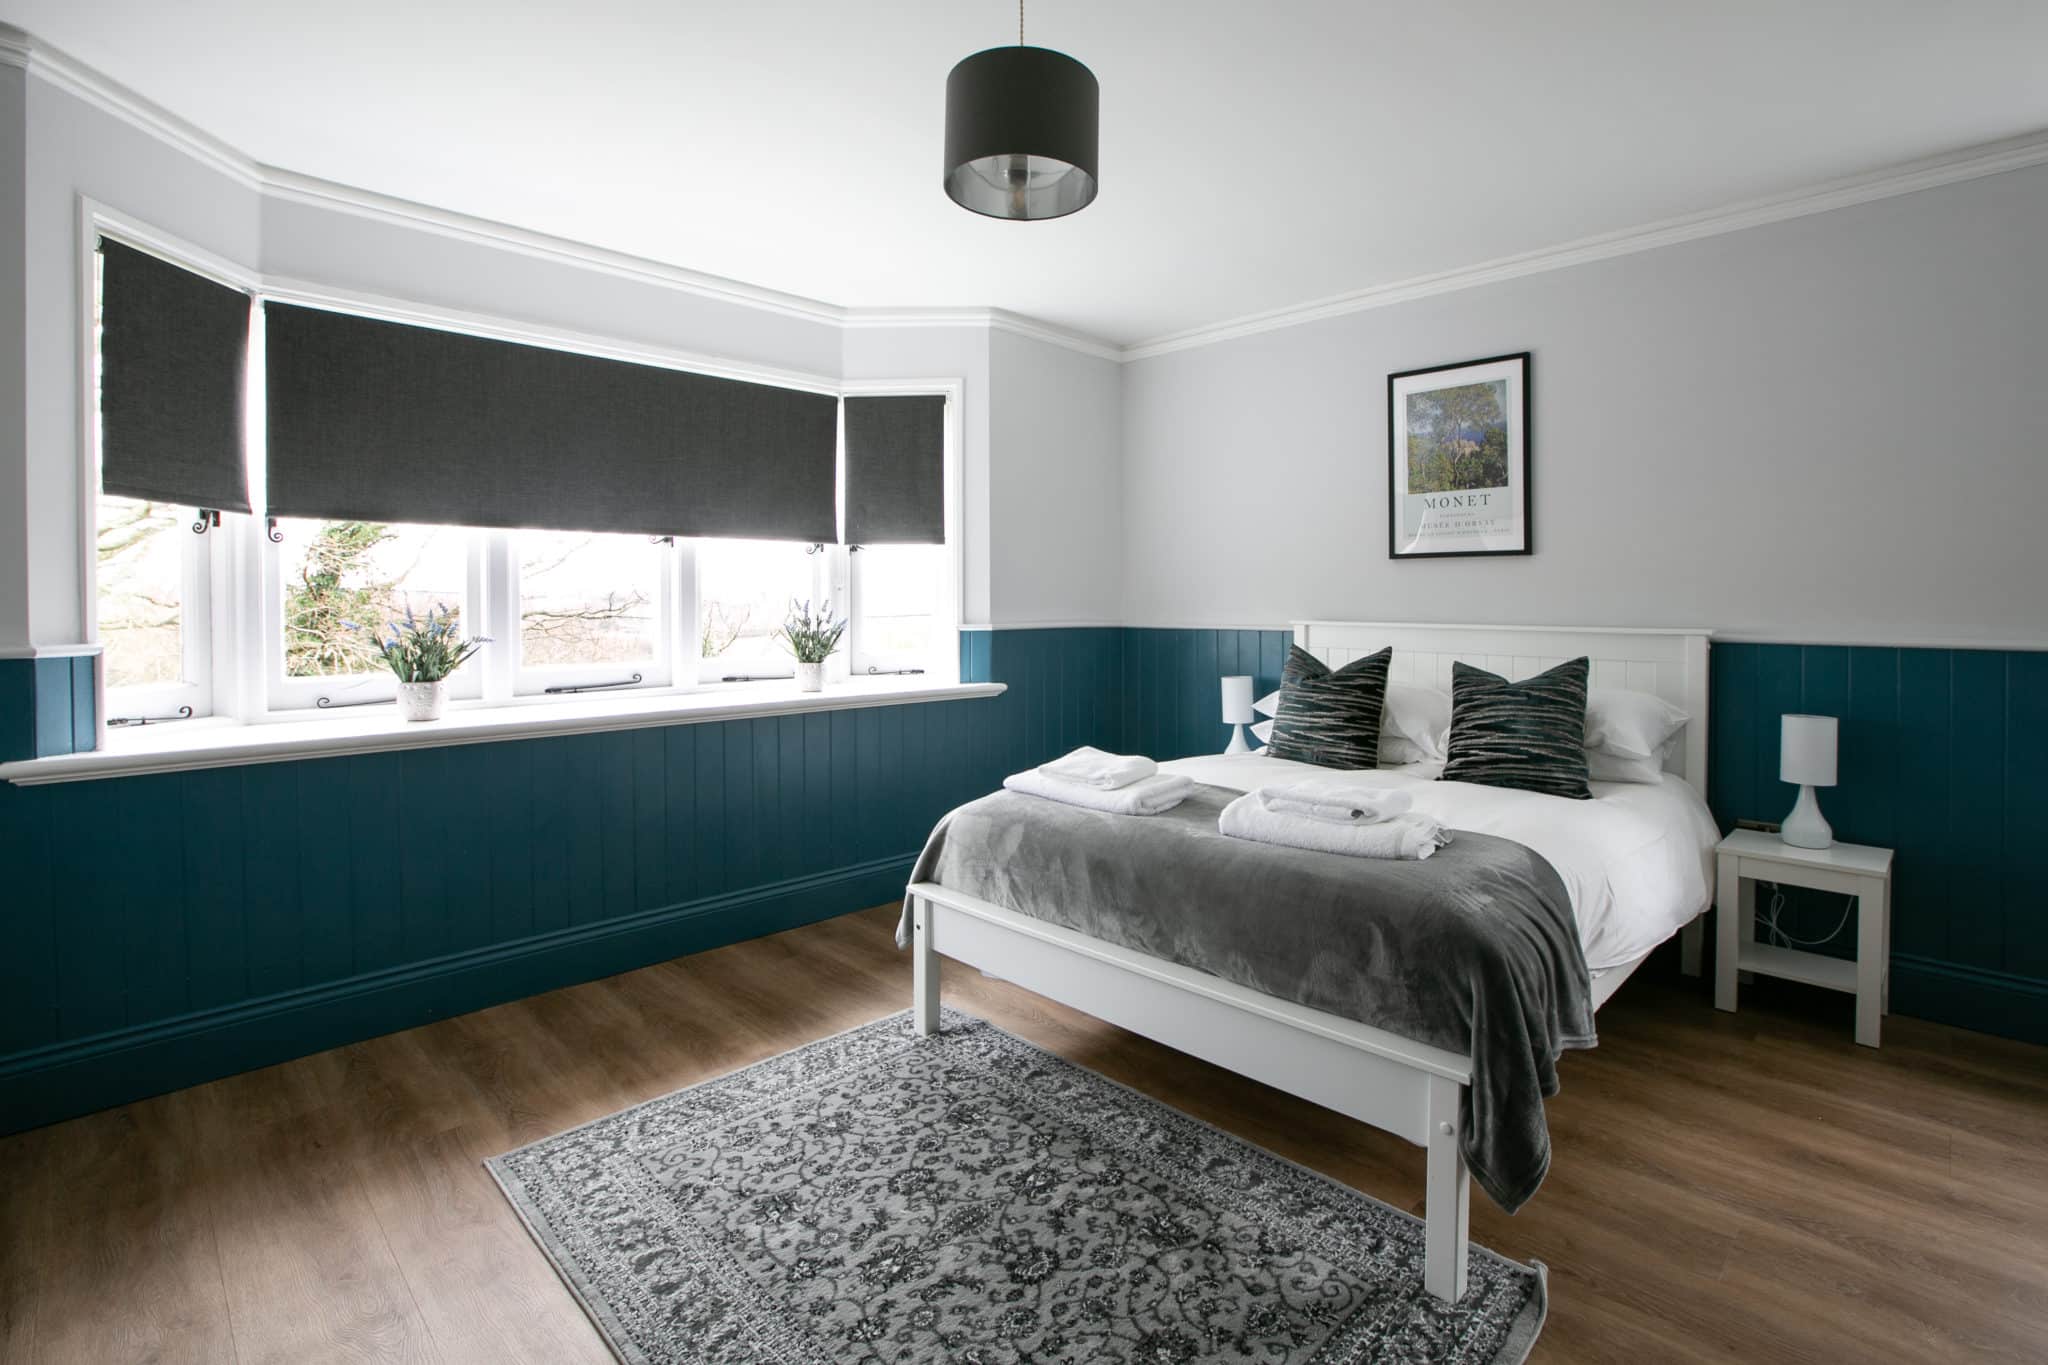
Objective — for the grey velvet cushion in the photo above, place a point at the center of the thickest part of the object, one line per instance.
(1529, 735)
(1331, 719)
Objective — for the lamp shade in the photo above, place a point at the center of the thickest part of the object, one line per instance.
(1806, 750)
(1021, 126)
(1237, 701)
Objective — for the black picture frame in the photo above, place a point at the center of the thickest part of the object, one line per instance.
(1517, 368)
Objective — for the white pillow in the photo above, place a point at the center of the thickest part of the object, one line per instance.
(1264, 730)
(1415, 723)
(1268, 705)
(1629, 735)
(1630, 724)
(1605, 767)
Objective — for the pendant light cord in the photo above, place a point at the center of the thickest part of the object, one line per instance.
(1020, 23)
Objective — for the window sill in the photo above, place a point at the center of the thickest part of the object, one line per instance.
(214, 743)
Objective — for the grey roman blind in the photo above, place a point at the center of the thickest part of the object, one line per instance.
(383, 421)
(174, 349)
(896, 470)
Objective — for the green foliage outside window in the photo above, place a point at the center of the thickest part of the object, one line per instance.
(333, 609)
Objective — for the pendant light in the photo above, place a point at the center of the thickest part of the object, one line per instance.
(1021, 132)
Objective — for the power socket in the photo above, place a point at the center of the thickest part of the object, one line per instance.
(1760, 826)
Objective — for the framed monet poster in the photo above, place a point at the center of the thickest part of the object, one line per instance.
(1458, 459)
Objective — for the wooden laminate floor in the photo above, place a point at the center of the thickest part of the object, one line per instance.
(1748, 1187)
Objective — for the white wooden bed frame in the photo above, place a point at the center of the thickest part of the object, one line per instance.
(1405, 1087)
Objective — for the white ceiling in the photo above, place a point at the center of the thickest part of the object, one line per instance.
(1253, 156)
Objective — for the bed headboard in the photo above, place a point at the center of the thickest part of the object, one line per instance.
(1670, 663)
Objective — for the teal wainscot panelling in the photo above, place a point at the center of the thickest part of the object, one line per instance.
(258, 913)
(1172, 704)
(1943, 757)
(167, 929)
(47, 706)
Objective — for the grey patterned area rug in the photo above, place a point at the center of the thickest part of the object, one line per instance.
(970, 1197)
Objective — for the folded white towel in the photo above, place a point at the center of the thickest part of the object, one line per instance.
(1096, 768)
(1147, 796)
(1403, 836)
(1353, 804)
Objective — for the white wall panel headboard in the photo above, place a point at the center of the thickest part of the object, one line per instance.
(1670, 663)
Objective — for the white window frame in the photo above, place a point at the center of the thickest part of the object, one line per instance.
(864, 660)
(345, 691)
(207, 581)
(534, 680)
(941, 662)
(197, 606)
(711, 673)
(233, 619)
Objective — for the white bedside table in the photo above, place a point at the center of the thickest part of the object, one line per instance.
(1746, 858)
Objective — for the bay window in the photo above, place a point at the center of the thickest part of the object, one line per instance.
(344, 426)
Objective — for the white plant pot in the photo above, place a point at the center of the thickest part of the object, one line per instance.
(810, 677)
(422, 701)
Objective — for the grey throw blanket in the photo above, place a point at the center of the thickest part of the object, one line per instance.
(1474, 950)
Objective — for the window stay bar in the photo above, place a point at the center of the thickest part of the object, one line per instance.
(125, 722)
(565, 688)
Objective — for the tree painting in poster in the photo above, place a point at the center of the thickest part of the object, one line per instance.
(1458, 438)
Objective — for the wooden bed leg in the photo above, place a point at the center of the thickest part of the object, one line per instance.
(924, 970)
(1691, 939)
(1447, 1212)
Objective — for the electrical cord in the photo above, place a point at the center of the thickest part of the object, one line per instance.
(1768, 918)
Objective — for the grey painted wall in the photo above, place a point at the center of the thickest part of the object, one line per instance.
(1056, 485)
(1829, 428)
(13, 363)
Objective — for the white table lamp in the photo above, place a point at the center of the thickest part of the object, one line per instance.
(1806, 758)
(1237, 711)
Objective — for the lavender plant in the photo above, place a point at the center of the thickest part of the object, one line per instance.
(810, 637)
(425, 651)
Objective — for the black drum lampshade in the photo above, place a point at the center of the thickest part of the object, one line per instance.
(1021, 133)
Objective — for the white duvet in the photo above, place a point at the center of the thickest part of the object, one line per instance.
(1637, 860)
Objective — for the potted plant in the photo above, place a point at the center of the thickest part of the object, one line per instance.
(423, 653)
(812, 639)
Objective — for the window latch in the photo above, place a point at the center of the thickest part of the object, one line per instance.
(330, 704)
(567, 688)
(270, 530)
(127, 722)
(209, 517)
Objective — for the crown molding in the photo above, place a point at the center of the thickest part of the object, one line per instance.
(293, 187)
(996, 319)
(23, 50)
(1968, 164)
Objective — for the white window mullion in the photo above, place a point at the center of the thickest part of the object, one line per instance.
(837, 571)
(494, 583)
(686, 629)
(236, 564)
